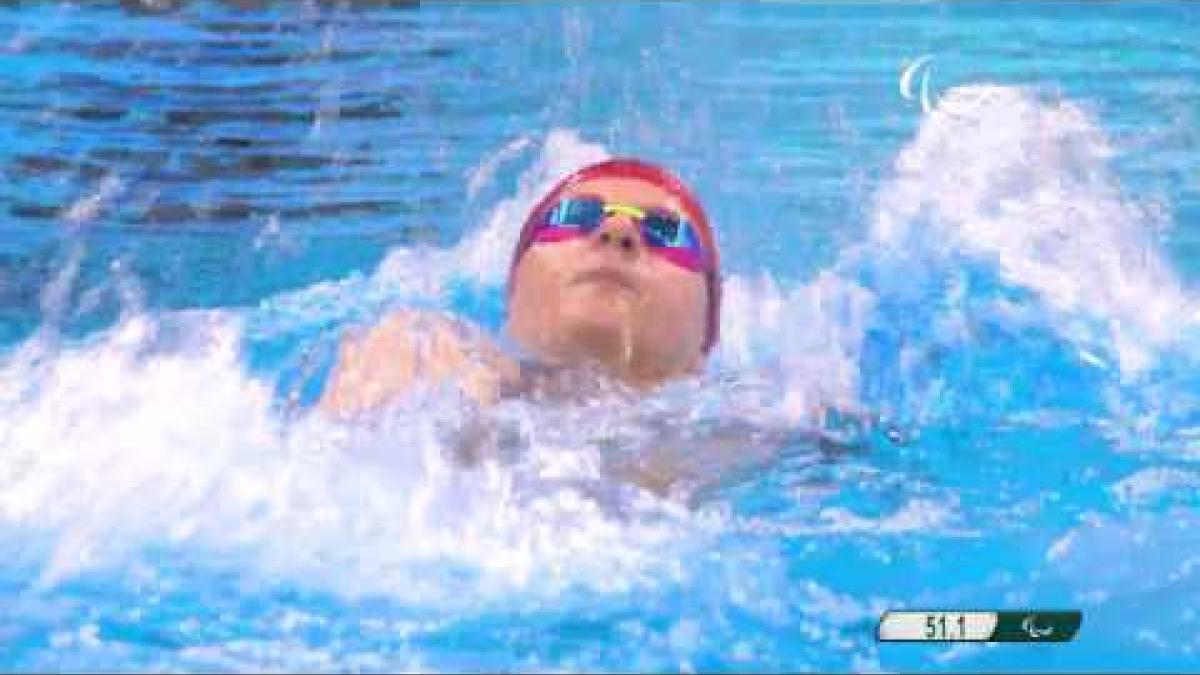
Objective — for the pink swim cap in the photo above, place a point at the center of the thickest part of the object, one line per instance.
(637, 169)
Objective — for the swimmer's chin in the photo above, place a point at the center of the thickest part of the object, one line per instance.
(585, 334)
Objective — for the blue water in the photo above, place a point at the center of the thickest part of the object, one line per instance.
(198, 197)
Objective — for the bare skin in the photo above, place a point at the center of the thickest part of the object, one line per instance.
(378, 365)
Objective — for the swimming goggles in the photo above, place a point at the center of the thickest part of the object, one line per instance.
(664, 232)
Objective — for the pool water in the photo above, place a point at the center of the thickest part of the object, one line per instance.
(979, 221)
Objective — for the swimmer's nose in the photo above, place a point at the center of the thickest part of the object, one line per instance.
(619, 231)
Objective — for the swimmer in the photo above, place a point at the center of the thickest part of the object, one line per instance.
(615, 270)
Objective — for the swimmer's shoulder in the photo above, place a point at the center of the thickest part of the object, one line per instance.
(376, 364)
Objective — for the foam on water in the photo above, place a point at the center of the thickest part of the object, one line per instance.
(154, 434)
(999, 173)
(1003, 230)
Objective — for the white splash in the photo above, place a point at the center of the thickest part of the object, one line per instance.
(806, 337)
(87, 208)
(152, 434)
(999, 173)
(484, 254)
(485, 171)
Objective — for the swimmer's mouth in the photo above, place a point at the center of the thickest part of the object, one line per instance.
(605, 275)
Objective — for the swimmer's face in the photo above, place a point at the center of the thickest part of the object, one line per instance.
(606, 297)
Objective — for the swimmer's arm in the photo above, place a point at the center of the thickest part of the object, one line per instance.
(688, 467)
(376, 365)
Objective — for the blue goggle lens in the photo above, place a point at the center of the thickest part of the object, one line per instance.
(659, 228)
(585, 214)
(665, 229)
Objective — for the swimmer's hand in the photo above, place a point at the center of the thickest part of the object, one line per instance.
(376, 365)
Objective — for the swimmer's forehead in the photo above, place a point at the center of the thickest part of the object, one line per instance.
(633, 191)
